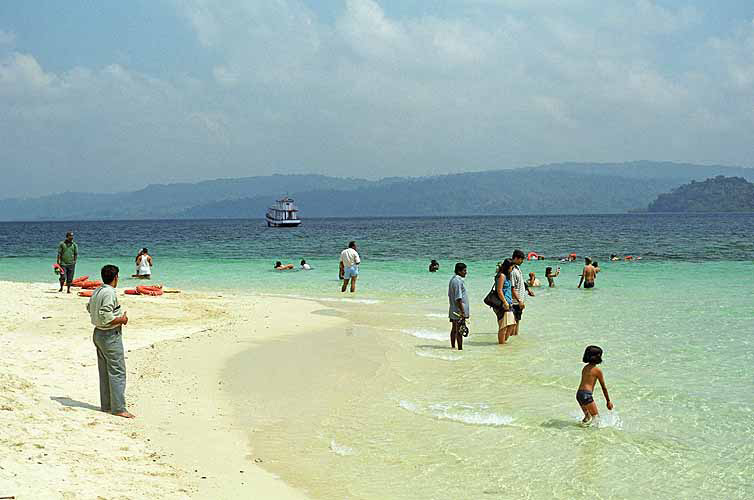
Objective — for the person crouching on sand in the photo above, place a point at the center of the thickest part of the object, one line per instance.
(589, 374)
(109, 320)
(458, 311)
(143, 265)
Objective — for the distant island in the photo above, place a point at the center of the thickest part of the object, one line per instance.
(717, 194)
(564, 188)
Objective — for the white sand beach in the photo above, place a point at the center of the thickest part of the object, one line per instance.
(185, 441)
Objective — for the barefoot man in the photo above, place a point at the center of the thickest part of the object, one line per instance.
(108, 321)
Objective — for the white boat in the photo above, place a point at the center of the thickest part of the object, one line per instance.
(283, 214)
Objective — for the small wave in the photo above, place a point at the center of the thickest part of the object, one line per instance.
(340, 449)
(459, 412)
(349, 300)
(608, 420)
(421, 333)
(435, 355)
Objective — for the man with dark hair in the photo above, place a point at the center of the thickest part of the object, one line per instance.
(108, 321)
(588, 274)
(68, 254)
(518, 288)
(349, 266)
(458, 311)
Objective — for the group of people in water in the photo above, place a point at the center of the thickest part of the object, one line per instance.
(507, 298)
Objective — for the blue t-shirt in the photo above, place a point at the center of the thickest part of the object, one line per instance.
(457, 290)
(507, 291)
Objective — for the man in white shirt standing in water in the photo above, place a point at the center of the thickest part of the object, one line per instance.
(349, 266)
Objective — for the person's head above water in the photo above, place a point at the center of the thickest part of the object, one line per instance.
(460, 269)
(595, 264)
(532, 275)
(352, 244)
(548, 271)
(433, 261)
(109, 274)
(592, 354)
(278, 263)
(303, 262)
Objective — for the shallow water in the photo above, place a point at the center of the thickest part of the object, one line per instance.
(384, 409)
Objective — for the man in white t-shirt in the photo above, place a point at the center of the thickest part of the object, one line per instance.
(349, 266)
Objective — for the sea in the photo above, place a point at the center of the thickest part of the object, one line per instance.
(384, 409)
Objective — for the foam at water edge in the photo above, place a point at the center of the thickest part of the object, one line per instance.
(340, 449)
(427, 334)
(459, 412)
(349, 300)
(437, 315)
(433, 355)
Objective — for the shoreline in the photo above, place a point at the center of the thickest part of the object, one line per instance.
(186, 441)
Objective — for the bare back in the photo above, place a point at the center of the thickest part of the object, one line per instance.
(589, 273)
(589, 375)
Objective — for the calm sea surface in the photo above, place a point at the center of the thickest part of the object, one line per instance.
(392, 412)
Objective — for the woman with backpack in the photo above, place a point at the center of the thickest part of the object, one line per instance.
(501, 290)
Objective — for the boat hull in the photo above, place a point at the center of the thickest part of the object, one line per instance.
(282, 223)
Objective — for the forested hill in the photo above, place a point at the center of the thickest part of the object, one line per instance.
(718, 194)
(549, 189)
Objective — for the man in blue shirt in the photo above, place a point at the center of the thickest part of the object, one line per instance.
(458, 300)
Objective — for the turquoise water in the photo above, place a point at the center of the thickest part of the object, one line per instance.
(386, 410)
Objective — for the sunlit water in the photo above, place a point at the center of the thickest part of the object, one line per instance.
(386, 410)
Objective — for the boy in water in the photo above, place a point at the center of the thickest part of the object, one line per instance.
(589, 374)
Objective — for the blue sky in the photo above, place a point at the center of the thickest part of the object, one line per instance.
(114, 96)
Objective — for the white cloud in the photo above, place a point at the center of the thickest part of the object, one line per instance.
(21, 72)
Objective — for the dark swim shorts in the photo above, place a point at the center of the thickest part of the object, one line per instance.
(584, 397)
(517, 312)
(589, 284)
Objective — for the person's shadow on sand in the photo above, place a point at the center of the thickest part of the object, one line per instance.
(72, 403)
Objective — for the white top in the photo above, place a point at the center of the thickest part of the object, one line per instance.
(350, 257)
(306, 267)
(144, 267)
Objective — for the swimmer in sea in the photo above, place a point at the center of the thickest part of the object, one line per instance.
(588, 274)
(614, 257)
(551, 276)
(434, 266)
(589, 374)
(533, 281)
(280, 267)
(596, 267)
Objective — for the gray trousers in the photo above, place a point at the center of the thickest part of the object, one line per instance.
(112, 369)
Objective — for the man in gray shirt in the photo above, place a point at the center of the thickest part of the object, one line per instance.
(458, 310)
(108, 320)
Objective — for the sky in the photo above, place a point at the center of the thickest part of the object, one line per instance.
(113, 96)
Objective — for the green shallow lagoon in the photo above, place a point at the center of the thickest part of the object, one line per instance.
(502, 422)
(385, 409)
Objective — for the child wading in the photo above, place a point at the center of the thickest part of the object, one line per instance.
(589, 374)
